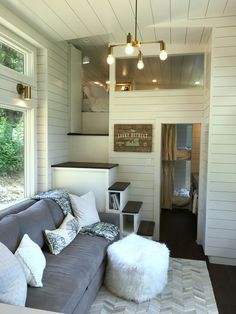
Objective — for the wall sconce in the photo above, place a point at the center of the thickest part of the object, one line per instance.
(26, 90)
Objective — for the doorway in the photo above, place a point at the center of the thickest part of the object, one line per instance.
(180, 159)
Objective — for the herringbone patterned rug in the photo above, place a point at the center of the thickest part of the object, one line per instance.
(188, 291)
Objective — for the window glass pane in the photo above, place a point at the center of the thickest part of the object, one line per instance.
(11, 156)
(181, 71)
(11, 58)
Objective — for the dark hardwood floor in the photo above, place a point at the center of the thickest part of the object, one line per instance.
(178, 231)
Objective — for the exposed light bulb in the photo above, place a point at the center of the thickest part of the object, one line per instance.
(129, 49)
(163, 55)
(86, 60)
(140, 65)
(110, 59)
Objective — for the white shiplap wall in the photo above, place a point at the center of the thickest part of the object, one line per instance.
(58, 115)
(52, 111)
(42, 118)
(203, 166)
(149, 107)
(221, 202)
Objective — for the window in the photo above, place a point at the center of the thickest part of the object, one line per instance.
(12, 58)
(11, 156)
(17, 119)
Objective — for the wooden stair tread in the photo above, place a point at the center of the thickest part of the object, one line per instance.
(132, 207)
(146, 228)
(119, 186)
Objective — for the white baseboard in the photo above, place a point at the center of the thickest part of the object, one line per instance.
(222, 260)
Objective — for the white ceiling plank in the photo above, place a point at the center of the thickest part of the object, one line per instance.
(107, 15)
(32, 18)
(194, 35)
(161, 14)
(87, 15)
(97, 40)
(230, 8)
(161, 10)
(124, 14)
(41, 9)
(198, 8)
(63, 10)
(206, 35)
(179, 9)
(217, 21)
(164, 34)
(216, 8)
(178, 35)
(145, 20)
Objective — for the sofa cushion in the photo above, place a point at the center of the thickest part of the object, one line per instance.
(56, 212)
(13, 285)
(10, 234)
(16, 208)
(34, 220)
(67, 275)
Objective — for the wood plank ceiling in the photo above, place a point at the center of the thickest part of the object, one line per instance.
(92, 24)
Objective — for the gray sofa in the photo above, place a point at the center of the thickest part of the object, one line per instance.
(72, 278)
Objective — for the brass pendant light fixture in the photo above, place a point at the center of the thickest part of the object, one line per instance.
(131, 44)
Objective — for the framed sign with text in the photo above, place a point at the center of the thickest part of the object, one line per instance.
(133, 137)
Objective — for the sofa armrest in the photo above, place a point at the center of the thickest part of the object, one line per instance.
(110, 218)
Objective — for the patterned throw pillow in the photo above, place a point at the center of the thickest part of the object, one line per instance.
(59, 238)
(32, 260)
(102, 229)
(13, 285)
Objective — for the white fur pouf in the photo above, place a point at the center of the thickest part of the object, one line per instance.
(137, 268)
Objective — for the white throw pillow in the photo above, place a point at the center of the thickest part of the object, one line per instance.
(13, 285)
(32, 261)
(84, 208)
(59, 238)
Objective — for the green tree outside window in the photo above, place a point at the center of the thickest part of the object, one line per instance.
(11, 142)
(11, 58)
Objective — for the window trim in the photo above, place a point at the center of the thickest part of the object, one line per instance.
(29, 51)
(21, 51)
(12, 101)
